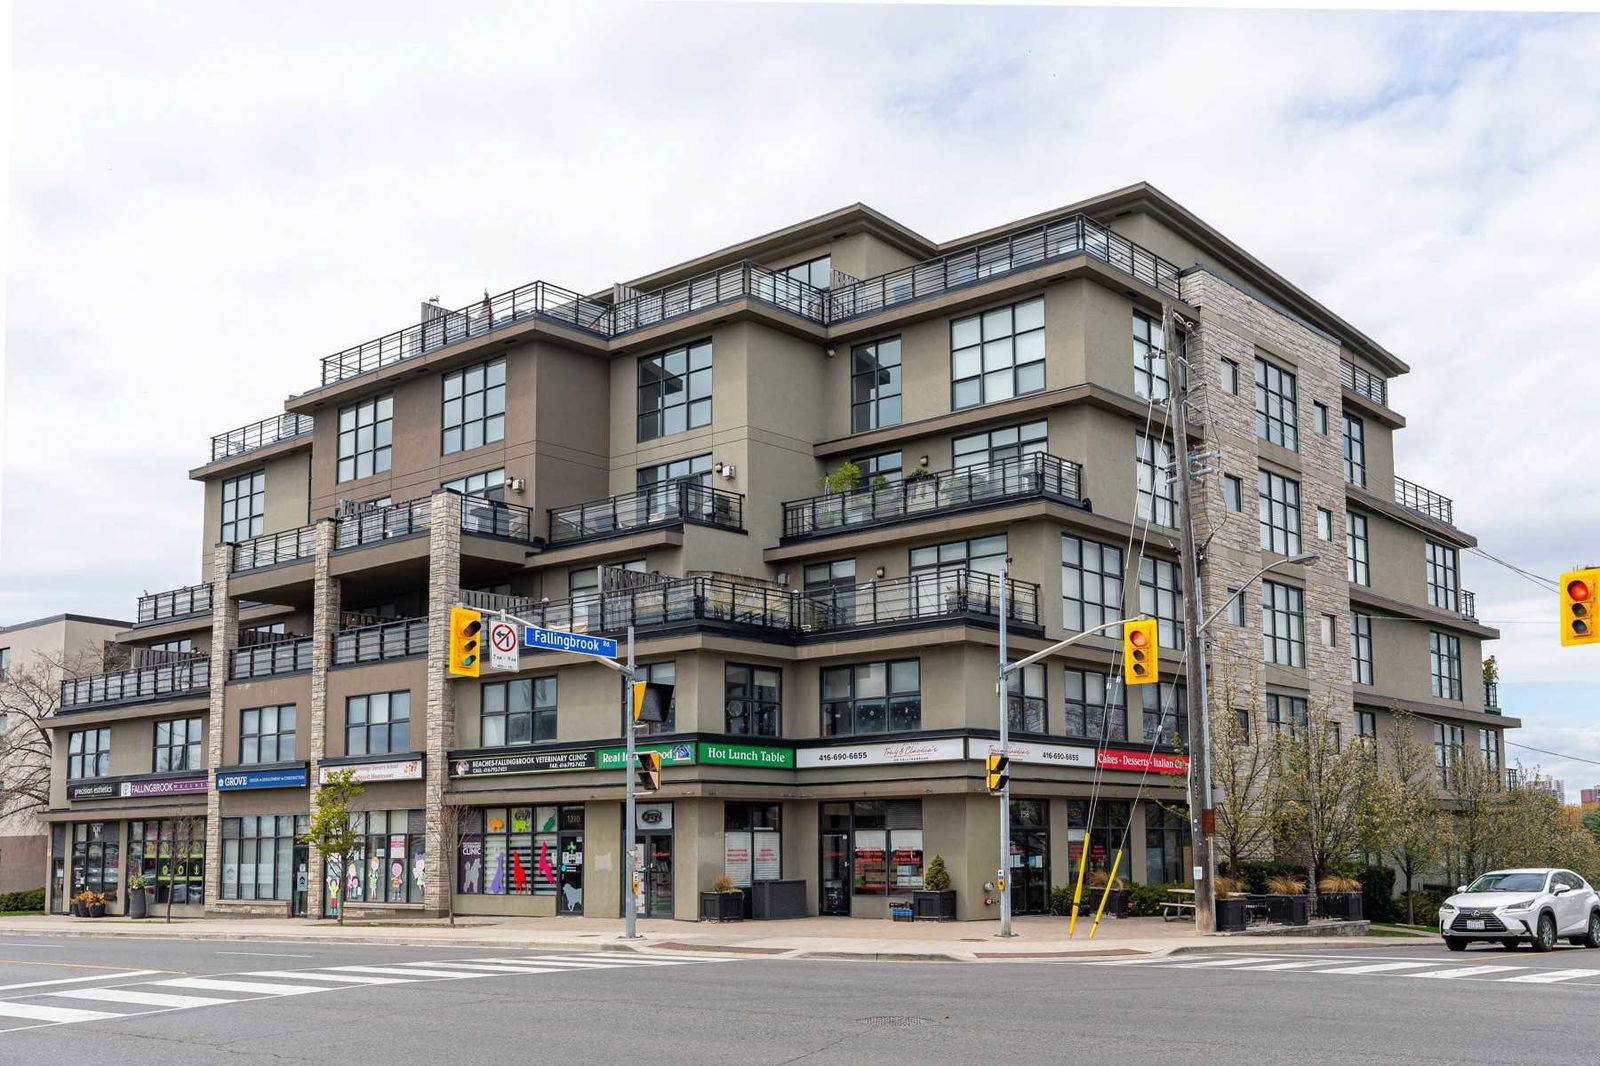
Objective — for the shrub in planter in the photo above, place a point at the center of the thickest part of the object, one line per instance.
(936, 900)
(90, 904)
(1287, 900)
(1116, 899)
(724, 903)
(1339, 897)
(138, 899)
(1231, 914)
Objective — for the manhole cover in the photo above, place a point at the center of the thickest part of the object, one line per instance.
(894, 1021)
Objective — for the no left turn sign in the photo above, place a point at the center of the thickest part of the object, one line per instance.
(502, 646)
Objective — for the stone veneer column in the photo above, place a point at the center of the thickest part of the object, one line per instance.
(325, 597)
(224, 638)
(444, 582)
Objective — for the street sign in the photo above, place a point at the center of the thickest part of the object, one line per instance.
(502, 646)
(576, 643)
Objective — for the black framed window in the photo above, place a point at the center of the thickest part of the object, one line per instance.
(818, 272)
(1101, 840)
(1355, 450)
(366, 438)
(262, 632)
(1000, 445)
(258, 855)
(752, 842)
(490, 484)
(984, 554)
(875, 385)
(1357, 549)
(1277, 418)
(95, 863)
(1324, 524)
(675, 390)
(695, 470)
(1283, 624)
(997, 354)
(1166, 842)
(377, 723)
(865, 698)
(88, 753)
(1230, 376)
(390, 864)
(884, 843)
(1235, 606)
(831, 586)
(1366, 726)
(266, 734)
(5, 664)
(178, 744)
(886, 465)
(1091, 584)
(171, 856)
(1319, 414)
(1443, 586)
(518, 851)
(473, 408)
(1161, 597)
(1094, 706)
(244, 506)
(1286, 713)
(184, 646)
(1279, 499)
(1233, 493)
(1489, 749)
(753, 698)
(1152, 477)
(665, 673)
(1449, 742)
(1149, 359)
(1165, 711)
(1360, 648)
(519, 711)
(1025, 700)
(1444, 664)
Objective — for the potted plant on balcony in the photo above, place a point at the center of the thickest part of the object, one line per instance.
(1287, 899)
(1117, 900)
(138, 900)
(1339, 897)
(921, 490)
(935, 901)
(724, 903)
(1230, 906)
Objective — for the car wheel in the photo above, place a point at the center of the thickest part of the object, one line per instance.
(1591, 939)
(1455, 943)
(1510, 943)
(1545, 938)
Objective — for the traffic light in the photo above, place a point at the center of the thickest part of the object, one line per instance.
(1140, 659)
(466, 642)
(997, 776)
(647, 773)
(652, 702)
(1580, 594)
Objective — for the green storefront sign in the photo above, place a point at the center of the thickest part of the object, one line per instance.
(719, 754)
(676, 754)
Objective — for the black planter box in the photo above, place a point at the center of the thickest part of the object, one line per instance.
(722, 906)
(1118, 900)
(97, 910)
(1343, 906)
(1231, 915)
(934, 906)
(78, 910)
(1290, 910)
(138, 903)
(778, 899)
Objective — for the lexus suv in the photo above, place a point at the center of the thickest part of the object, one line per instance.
(1510, 906)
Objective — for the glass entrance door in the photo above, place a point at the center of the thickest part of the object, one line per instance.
(835, 873)
(569, 892)
(302, 880)
(657, 874)
(1030, 857)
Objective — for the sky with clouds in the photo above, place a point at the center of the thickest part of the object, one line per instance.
(206, 198)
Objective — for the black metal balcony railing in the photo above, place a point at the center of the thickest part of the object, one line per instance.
(1469, 605)
(496, 518)
(378, 524)
(1414, 497)
(288, 546)
(729, 283)
(1077, 235)
(647, 508)
(1491, 697)
(1006, 479)
(143, 684)
(259, 435)
(269, 658)
(1365, 382)
(375, 643)
(177, 603)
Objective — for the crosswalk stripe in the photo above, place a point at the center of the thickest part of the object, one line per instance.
(492, 967)
(1301, 965)
(1465, 971)
(1552, 976)
(323, 975)
(395, 971)
(79, 980)
(1378, 967)
(620, 960)
(565, 964)
(256, 987)
(1236, 961)
(38, 1012)
(148, 999)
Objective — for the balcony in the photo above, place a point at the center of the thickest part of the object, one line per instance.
(377, 643)
(1077, 235)
(1491, 697)
(647, 508)
(178, 603)
(1425, 502)
(290, 546)
(149, 683)
(495, 518)
(270, 658)
(1365, 383)
(259, 435)
(1468, 605)
(941, 493)
(378, 524)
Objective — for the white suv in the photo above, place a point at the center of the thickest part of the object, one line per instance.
(1509, 906)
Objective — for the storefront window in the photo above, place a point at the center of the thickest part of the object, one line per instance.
(1109, 833)
(1166, 839)
(752, 848)
(94, 858)
(171, 854)
(886, 843)
(390, 863)
(258, 855)
(519, 851)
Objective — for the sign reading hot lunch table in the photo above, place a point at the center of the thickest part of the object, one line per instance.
(576, 643)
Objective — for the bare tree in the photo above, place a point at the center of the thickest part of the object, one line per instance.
(1410, 826)
(187, 830)
(451, 817)
(1321, 794)
(29, 696)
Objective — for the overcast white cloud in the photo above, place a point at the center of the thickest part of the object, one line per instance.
(206, 198)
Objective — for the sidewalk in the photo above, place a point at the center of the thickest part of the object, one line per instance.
(801, 938)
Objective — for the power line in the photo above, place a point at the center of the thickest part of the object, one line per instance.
(1553, 754)
(1546, 583)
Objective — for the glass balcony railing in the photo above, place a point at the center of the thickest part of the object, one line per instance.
(386, 640)
(375, 525)
(647, 508)
(496, 518)
(269, 658)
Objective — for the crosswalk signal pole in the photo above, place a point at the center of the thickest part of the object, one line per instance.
(1005, 751)
(630, 906)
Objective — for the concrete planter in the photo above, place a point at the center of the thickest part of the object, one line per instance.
(138, 903)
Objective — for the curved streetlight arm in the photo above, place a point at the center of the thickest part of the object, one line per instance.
(1305, 557)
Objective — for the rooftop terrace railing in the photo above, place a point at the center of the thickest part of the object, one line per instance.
(176, 603)
(378, 524)
(375, 643)
(496, 518)
(259, 435)
(147, 683)
(1426, 502)
(1364, 382)
(286, 656)
(289, 546)
(647, 508)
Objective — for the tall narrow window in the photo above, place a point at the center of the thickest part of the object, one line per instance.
(1361, 649)
(675, 391)
(1324, 524)
(1444, 663)
(1161, 597)
(1280, 513)
(1355, 450)
(1320, 413)
(520, 711)
(1091, 583)
(244, 506)
(753, 697)
(474, 407)
(1094, 707)
(1443, 588)
(88, 753)
(875, 385)
(1358, 564)
(1367, 726)
(1276, 418)
(1283, 624)
(1025, 699)
(377, 724)
(1489, 749)
(1232, 493)
(366, 438)
(997, 354)
(1230, 377)
(1449, 741)
(1149, 359)
(1152, 471)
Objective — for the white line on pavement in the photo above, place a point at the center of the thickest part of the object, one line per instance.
(395, 971)
(621, 960)
(1299, 965)
(1378, 967)
(324, 975)
(77, 980)
(148, 999)
(1551, 976)
(254, 987)
(1465, 971)
(40, 1013)
(1238, 960)
(485, 968)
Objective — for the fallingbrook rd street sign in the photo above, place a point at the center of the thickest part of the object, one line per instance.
(576, 643)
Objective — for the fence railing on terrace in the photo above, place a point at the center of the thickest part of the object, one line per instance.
(496, 518)
(145, 683)
(1414, 497)
(375, 643)
(657, 505)
(275, 548)
(1365, 382)
(175, 603)
(379, 524)
(272, 657)
(259, 435)
(1468, 602)
(1491, 696)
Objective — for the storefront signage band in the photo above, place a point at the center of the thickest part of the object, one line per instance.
(894, 753)
(718, 754)
(408, 770)
(289, 777)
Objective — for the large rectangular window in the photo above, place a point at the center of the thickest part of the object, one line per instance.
(752, 842)
(864, 698)
(244, 506)
(1355, 450)
(1094, 706)
(519, 711)
(1280, 513)
(366, 438)
(1161, 597)
(1165, 714)
(1000, 445)
(1149, 359)
(1283, 624)
(171, 857)
(258, 855)
(88, 753)
(985, 554)
(1277, 419)
(266, 734)
(490, 484)
(178, 745)
(1357, 550)
(1443, 587)
(1025, 699)
(474, 407)
(1444, 662)
(521, 851)
(752, 697)
(875, 385)
(884, 843)
(378, 723)
(675, 391)
(695, 470)
(1361, 649)
(95, 864)
(1091, 584)
(1449, 742)
(1152, 477)
(818, 272)
(997, 354)
(1286, 713)
(390, 864)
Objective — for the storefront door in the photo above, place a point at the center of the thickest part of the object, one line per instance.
(1029, 882)
(569, 893)
(302, 880)
(835, 873)
(657, 874)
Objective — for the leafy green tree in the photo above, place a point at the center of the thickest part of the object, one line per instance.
(1408, 822)
(1591, 822)
(331, 832)
(1321, 797)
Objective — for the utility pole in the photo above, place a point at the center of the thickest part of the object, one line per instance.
(1200, 816)
(1001, 881)
(635, 858)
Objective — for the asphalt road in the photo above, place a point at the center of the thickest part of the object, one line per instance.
(219, 1002)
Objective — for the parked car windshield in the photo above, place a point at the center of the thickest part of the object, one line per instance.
(1508, 883)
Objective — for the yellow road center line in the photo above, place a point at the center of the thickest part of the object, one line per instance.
(71, 965)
